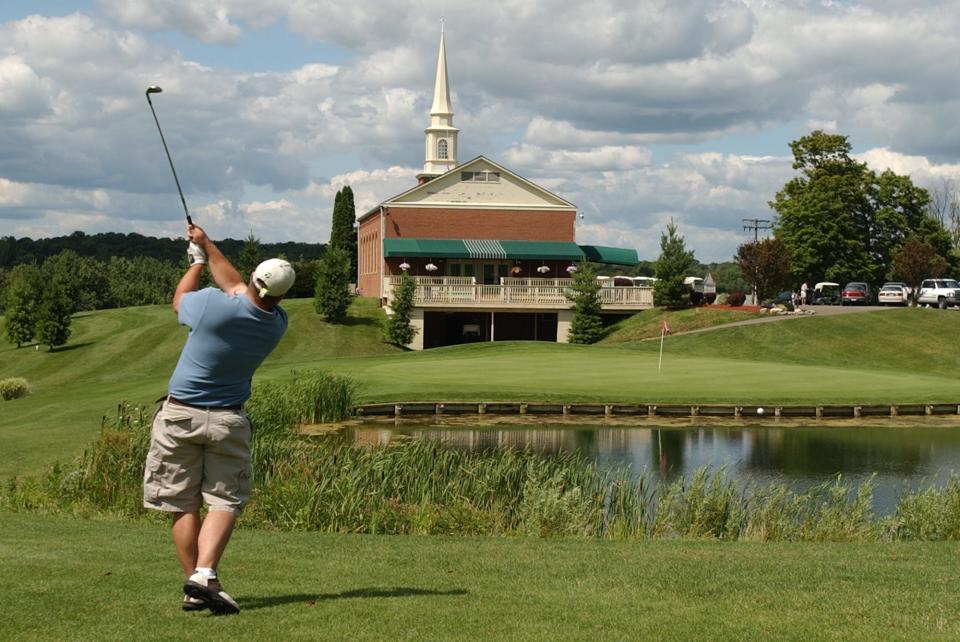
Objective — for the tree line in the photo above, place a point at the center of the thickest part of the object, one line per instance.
(103, 247)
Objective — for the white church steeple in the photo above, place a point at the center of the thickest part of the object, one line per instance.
(441, 135)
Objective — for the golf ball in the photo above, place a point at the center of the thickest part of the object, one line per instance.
(759, 411)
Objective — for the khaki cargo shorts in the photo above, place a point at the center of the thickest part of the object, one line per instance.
(197, 455)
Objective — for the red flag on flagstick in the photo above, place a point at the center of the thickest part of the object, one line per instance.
(666, 328)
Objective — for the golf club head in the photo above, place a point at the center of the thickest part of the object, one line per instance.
(153, 89)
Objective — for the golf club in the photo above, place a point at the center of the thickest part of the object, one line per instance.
(153, 89)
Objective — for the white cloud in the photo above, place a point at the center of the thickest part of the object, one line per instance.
(206, 20)
(632, 110)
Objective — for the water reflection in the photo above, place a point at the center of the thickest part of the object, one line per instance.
(899, 457)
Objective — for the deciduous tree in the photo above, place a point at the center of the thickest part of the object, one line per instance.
(21, 303)
(917, 260)
(765, 264)
(53, 315)
(844, 222)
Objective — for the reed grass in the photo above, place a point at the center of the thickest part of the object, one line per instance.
(422, 487)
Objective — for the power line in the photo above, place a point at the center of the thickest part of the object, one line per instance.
(757, 224)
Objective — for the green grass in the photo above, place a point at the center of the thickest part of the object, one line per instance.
(916, 340)
(899, 356)
(100, 579)
(647, 325)
(129, 354)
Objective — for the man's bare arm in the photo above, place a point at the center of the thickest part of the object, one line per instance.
(224, 274)
(189, 282)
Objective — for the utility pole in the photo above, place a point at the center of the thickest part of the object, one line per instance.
(756, 224)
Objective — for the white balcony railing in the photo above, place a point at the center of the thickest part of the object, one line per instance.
(457, 291)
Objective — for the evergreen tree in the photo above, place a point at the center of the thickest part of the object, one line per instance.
(587, 325)
(673, 266)
(53, 315)
(250, 257)
(20, 303)
(343, 232)
(332, 295)
(399, 332)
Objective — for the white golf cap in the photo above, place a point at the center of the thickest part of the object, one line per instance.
(273, 277)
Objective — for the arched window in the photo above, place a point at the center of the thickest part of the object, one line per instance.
(442, 149)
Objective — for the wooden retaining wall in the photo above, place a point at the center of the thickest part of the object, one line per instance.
(420, 408)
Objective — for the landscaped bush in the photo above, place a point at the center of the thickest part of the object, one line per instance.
(736, 299)
(14, 388)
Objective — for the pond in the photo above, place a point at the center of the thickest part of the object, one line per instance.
(898, 454)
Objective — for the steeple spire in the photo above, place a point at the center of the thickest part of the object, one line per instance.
(441, 135)
(441, 90)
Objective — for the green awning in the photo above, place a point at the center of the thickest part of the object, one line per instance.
(424, 248)
(481, 249)
(545, 250)
(610, 255)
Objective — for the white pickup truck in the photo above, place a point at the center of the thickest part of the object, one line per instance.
(942, 293)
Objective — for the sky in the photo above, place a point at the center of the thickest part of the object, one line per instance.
(638, 112)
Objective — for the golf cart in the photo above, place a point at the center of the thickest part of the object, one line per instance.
(826, 293)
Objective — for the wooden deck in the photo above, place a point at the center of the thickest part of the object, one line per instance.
(533, 294)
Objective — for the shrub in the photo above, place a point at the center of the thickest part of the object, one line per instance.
(736, 299)
(14, 388)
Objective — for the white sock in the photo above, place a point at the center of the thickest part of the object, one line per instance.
(207, 572)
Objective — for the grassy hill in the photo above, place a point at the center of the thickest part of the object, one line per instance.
(905, 340)
(647, 325)
(115, 355)
(128, 355)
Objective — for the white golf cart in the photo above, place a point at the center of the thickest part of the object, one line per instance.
(826, 293)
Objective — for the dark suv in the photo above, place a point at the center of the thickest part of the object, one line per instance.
(856, 293)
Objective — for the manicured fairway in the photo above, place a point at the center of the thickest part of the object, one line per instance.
(63, 578)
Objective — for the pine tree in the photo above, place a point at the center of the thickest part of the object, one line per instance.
(332, 294)
(399, 331)
(249, 257)
(343, 232)
(53, 315)
(21, 303)
(587, 325)
(672, 267)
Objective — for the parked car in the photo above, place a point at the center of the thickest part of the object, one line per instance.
(894, 294)
(856, 293)
(942, 293)
(785, 297)
(826, 293)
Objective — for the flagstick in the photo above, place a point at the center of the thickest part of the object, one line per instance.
(660, 364)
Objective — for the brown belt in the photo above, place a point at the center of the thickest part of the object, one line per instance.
(174, 400)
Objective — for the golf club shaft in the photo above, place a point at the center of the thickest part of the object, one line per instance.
(170, 160)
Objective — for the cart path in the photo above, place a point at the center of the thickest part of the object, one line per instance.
(818, 310)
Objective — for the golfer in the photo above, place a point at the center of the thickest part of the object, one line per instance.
(200, 440)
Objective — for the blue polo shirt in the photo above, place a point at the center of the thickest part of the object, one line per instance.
(229, 339)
